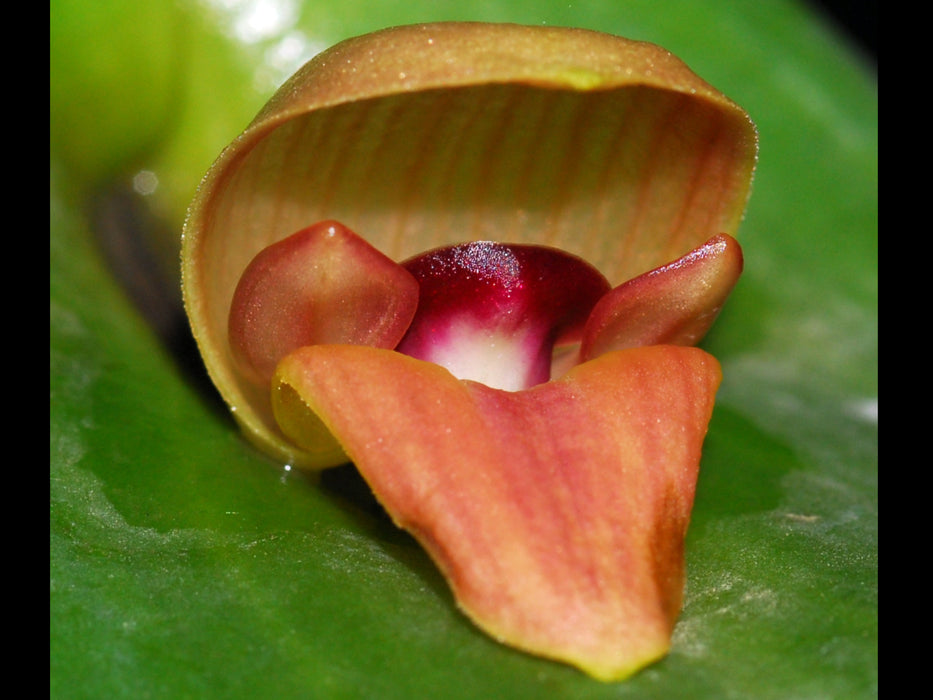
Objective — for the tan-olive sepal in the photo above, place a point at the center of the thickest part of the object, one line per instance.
(429, 135)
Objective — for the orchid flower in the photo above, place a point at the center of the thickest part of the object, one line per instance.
(533, 415)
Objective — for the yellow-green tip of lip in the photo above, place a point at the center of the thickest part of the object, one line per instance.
(580, 78)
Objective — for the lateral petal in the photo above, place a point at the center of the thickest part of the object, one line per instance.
(323, 284)
(674, 304)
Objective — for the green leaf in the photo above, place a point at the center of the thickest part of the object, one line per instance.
(185, 564)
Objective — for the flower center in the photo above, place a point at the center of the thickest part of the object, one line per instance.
(493, 312)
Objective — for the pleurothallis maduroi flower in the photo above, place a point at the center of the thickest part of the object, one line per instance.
(493, 317)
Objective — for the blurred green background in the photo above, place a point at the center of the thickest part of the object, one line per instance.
(183, 564)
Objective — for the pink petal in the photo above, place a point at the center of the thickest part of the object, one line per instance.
(675, 304)
(323, 284)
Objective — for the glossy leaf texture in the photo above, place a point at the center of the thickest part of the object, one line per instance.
(184, 563)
